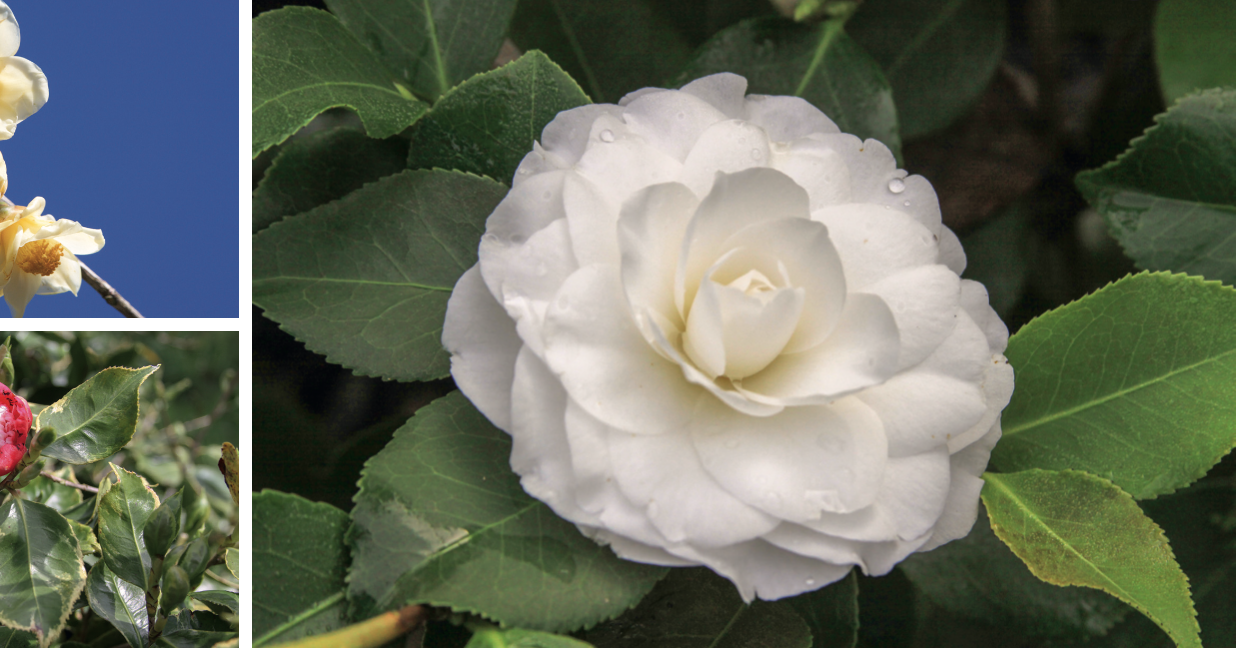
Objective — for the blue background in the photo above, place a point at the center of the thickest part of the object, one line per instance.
(139, 139)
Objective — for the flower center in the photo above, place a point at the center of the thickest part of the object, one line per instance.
(40, 257)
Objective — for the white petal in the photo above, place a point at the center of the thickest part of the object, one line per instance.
(67, 277)
(951, 253)
(798, 463)
(761, 570)
(483, 346)
(594, 346)
(10, 34)
(83, 240)
(923, 410)
(974, 300)
(875, 242)
(672, 121)
(664, 475)
(818, 169)
(527, 209)
(628, 549)
(862, 351)
(567, 135)
(786, 119)
(752, 329)
(924, 301)
(23, 90)
(875, 179)
(536, 162)
(619, 162)
(650, 232)
(724, 91)
(726, 147)
(997, 388)
(961, 507)
(21, 288)
(527, 276)
(875, 558)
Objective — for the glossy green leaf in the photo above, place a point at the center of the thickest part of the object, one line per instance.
(42, 572)
(322, 167)
(305, 61)
(1072, 528)
(120, 602)
(819, 63)
(54, 494)
(939, 55)
(611, 48)
(229, 600)
(10, 638)
(831, 613)
(978, 577)
(1132, 383)
(96, 418)
(192, 639)
(1194, 45)
(365, 280)
(695, 608)
(430, 45)
(517, 638)
(231, 558)
(122, 518)
(486, 551)
(1171, 198)
(486, 125)
(300, 561)
(87, 542)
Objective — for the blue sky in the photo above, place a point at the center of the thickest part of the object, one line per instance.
(138, 139)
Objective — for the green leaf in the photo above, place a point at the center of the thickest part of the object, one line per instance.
(1193, 45)
(516, 638)
(42, 571)
(305, 61)
(229, 600)
(1073, 528)
(54, 494)
(97, 418)
(10, 638)
(365, 279)
(819, 63)
(1132, 383)
(611, 48)
(430, 44)
(980, 578)
(486, 125)
(831, 613)
(122, 518)
(86, 540)
(300, 561)
(939, 55)
(695, 608)
(192, 639)
(120, 602)
(486, 551)
(322, 167)
(1171, 198)
(231, 558)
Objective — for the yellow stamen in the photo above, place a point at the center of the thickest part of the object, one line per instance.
(40, 257)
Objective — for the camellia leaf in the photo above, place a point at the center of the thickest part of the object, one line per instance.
(1171, 198)
(120, 602)
(96, 418)
(300, 561)
(430, 44)
(831, 613)
(86, 540)
(122, 518)
(978, 577)
(486, 551)
(10, 638)
(325, 166)
(42, 571)
(1073, 528)
(695, 608)
(819, 63)
(487, 124)
(516, 638)
(1132, 383)
(305, 61)
(365, 279)
(229, 600)
(231, 558)
(1193, 45)
(938, 55)
(54, 494)
(611, 48)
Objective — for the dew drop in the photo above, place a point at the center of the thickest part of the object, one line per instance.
(607, 135)
(809, 581)
(896, 185)
(518, 239)
(756, 154)
(906, 203)
(524, 171)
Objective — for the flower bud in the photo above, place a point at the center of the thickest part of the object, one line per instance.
(196, 558)
(196, 508)
(15, 421)
(173, 589)
(162, 527)
(174, 555)
(28, 473)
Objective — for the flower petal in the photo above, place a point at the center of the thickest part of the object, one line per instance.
(875, 242)
(786, 119)
(874, 558)
(566, 137)
(483, 346)
(66, 278)
(650, 232)
(762, 570)
(10, 34)
(21, 288)
(818, 169)
(923, 410)
(725, 91)
(924, 301)
(23, 90)
(726, 147)
(672, 121)
(961, 506)
(527, 276)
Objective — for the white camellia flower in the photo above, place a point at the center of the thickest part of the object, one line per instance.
(721, 332)
(23, 87)
(40, 254)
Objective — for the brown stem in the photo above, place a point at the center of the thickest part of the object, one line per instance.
(61, 480)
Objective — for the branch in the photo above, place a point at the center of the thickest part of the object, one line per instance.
(62, 480)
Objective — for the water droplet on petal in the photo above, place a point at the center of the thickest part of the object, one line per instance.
(607, 135)
(809, 581)
(896, 185)
(524, 171)
(518, 239)
(756, 154)
(906, 203)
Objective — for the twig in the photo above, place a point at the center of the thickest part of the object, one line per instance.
(367, 634)
(62, 480)
(221, 580)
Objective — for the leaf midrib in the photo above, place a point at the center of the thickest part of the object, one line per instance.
(115, 395)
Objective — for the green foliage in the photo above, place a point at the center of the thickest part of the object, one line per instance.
(1132, 383)
(316, 169)
(1171, 198)
(487, 124)
(305, 61)
(97, 418)
(300, 562)
(122, 603)
(1194, 47)
(38, 600)
(819, 63)
(831, 613)
(122, 518)
(431, 45)
(938, 55)
(516, 638)
(1072, 528)
(366, 279)
(488, 548)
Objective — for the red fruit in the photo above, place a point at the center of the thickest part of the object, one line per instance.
(15, 422)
